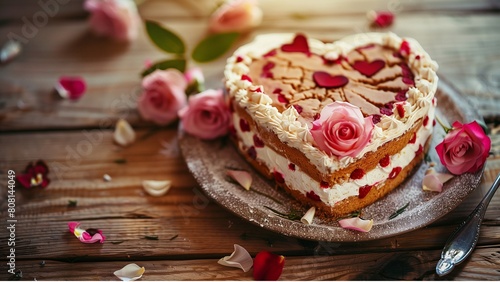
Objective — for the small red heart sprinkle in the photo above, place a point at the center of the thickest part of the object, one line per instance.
(404, 49)
(258, 142)
(420, 150)
(363, 191)
(324, 184)
(330, 62)
(426, 120)
(270, 53)
(246, 77)
(385, 161)
(326, 80)
(299, 44)
(298, 108)
(291, 166)
(369, 68)
(386, 111)
(282, 99)
(413, 138)
(376, 118)
(252, 153)
(278, 177)
(401, 110)
(395, 171)
(401, 96)
(239, 59)
(244, 126)
(357, 174)
(311, 195)
(383, 19)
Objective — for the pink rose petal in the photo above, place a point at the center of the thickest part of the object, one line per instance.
(433, 181)
(357, 224)
(71, 87)
(242, 177)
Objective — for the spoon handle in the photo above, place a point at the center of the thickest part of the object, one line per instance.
(463, 241)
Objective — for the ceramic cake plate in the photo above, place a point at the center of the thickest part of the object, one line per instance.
(208, 162)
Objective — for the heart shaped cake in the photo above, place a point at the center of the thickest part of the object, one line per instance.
(338, 125)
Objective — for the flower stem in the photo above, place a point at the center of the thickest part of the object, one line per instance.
(446, 128)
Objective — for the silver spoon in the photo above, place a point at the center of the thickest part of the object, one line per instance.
(463, 241)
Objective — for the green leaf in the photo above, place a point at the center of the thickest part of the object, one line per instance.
(213, 46)
(179, 64)
(164, 38)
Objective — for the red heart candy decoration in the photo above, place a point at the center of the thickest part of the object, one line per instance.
(324, 79)
(369, 69)
(299, 44)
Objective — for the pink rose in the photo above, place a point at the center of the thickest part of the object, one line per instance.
(114, 18)
(236, 15)
(342, 130)
(465, 148)
(163, 96)
(207, 115)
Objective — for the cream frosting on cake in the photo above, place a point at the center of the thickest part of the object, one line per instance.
(277, 90)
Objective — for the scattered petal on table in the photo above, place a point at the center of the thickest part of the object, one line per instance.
(10, 50)
(240, 258)
(88, 236)
(124, 133)
(357, 224)
(268, 266)
(242, 177)
(71, 87)
(35, 175)
(130, 272)
(380, 18)
(433, 181)
(309, 216)
(156, 188)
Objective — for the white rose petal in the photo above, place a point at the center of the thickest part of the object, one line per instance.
(130, 272)
(240, 258)
(124, 133)
(156, 188)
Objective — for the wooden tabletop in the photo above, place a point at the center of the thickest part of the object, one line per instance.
(462, 36)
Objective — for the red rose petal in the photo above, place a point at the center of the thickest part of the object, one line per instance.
(363, 191)
(326, 80)
(71, 87)
(369, 68)
(299, 44)
(383, 19)
(268, 266)
(24, 180)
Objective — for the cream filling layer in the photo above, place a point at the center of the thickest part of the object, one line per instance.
(300, 181)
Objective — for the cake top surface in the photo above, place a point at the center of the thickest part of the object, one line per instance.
(285, 81)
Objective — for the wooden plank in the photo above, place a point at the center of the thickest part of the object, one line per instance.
(29, 79)
(416, 265)
(127, 214)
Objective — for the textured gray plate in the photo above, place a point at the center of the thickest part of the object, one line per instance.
(208, 162)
